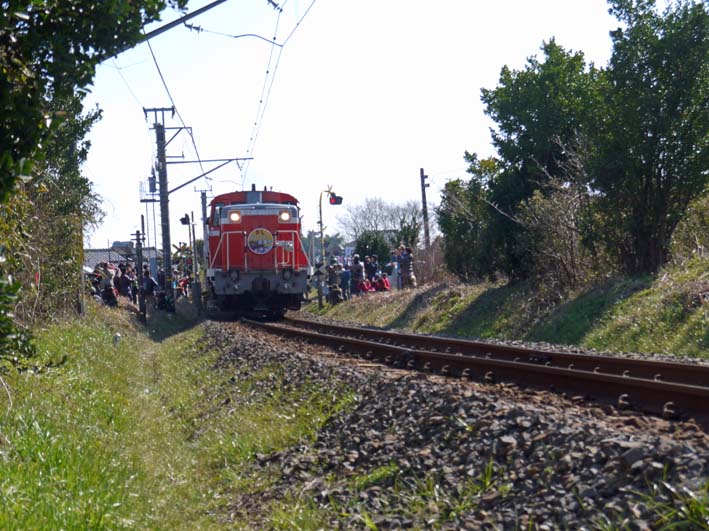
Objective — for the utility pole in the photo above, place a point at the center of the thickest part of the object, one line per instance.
(196, 284)
(424, 208)
(159, 126)
(319, 272)
(139, 254)
(205, 236)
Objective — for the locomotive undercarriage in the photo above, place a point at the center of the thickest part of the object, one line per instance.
(258, 291)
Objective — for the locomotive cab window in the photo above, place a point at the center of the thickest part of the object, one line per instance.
(216, 218)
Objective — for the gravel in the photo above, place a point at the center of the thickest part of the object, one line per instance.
(423, 452)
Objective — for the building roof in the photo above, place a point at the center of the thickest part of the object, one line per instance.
(93, 257)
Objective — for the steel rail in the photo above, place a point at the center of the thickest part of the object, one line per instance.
(669, 399)
(624, 366)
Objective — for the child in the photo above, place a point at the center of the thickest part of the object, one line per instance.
(383, 283)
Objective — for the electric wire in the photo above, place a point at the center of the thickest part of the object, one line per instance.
(298, 23)
(261, 109)
(263, 104)
(200, 29)
(177, 112)
(125, 82)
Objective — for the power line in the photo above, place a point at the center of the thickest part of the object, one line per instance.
(172, 101)
(261, 111)
(298, 23)
(125, 82)
(200, 29)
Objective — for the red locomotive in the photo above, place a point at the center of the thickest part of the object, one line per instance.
(256, 260)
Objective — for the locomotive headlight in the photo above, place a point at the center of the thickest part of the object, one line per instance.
(284, 215)
(234, 217)
(234, 275)
(287, 273)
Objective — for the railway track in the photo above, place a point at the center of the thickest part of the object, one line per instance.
(672, 390)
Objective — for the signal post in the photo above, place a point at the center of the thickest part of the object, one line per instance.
(334, 200)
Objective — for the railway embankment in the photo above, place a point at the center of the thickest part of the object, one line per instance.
(663, 314)
(191, 424)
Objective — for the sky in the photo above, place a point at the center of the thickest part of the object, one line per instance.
(359, 96)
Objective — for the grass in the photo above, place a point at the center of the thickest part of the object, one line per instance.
(148, 432)
(670, 316)
(142, 432)
(294, 514)
(667, 313)
(382, 474)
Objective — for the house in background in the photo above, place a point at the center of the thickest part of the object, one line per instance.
(120, 252)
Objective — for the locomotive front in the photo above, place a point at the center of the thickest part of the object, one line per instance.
(256, 258)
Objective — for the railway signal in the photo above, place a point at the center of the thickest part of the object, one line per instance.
(335, 199)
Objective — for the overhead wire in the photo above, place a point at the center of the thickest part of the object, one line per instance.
(177, 112)
(265, 89)
(125, 82)
(261, 108)
(200, 29)
(263, 102)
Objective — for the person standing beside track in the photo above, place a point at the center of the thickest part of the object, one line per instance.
(149, 287)
(406, 262)
(357, 270)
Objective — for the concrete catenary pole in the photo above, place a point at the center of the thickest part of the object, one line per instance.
(424, 208)
(159, 126)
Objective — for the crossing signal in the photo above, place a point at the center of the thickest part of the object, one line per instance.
(335, 199)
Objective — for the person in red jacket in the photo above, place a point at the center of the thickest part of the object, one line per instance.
(365, 286)
(383, 283)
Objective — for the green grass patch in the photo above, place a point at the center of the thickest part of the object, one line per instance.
(670, 316)
(271, 423)
(383, 474)
(667, 313)
(293, 514)
(144, 431)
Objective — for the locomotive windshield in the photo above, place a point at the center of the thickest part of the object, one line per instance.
(260, 209)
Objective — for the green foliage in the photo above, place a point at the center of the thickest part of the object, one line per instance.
(691, 238)
(373, 242)
(553, 238)
(537, 111)
(631, 143)
(679, 508)
(652, 140)
(464, 217)
(380, 475)
(46, 218)
(14, 340)
(48, 52)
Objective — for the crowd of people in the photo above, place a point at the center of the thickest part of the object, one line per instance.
(358, 277)
(109, 281)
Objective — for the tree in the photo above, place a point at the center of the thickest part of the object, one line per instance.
(373, 243)
(653, 132)
(532, 108)
(464, 216)
(48, 52)
(50, 212)
(402, 223)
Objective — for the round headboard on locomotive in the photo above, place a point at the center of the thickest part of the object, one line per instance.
(255, 256)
